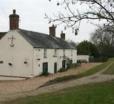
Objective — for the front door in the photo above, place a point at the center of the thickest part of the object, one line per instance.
(55, 67)
(63, 64)
(45, 68)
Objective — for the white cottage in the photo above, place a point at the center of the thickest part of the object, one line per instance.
(27, 54)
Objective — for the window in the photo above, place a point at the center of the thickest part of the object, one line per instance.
(64, 52)
(71, 52)
(10, 64)
(25, 62)
(45, 53)
(55, 53)
(1, 62)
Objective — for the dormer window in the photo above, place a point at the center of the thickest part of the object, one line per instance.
(45, 53)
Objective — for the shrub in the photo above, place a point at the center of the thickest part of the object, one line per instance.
(99, 59)
(62, 70)
(44, 74)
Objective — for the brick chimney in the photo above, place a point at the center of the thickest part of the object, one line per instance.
(62, 35)
(52, 30)
(14, 20)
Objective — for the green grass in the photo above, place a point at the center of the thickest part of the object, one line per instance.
(94, 69)
(110, 70)
(71, 77)
(99, 93)
(111, 59)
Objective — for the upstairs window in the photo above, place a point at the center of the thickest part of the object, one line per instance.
(45, 53)
(63, 52)
(55, 53)
(71, 52)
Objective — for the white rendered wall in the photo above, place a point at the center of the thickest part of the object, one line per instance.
(74, 57)
(22, 51)
(39, 59)
(59, 58)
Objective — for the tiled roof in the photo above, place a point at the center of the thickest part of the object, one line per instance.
(41, 40)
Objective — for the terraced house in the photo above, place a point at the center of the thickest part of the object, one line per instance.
(26, 53)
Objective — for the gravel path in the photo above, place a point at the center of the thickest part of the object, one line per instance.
(34, 90)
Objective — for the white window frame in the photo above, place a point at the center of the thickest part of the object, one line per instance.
(55, 52)
(45, 53)
(63, 52)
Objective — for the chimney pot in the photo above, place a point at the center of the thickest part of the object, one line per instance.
(14, 11)
(62, 35)
(52, 30)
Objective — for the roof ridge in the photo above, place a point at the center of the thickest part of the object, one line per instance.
(33, 31)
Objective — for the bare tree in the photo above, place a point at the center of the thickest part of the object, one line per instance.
(74, 11)
(103, 38)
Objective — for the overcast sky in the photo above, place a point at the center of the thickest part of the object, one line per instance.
(32, 13)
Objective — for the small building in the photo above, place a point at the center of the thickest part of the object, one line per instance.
(83, 58)
(26, 53)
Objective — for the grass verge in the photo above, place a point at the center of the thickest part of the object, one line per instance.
(110, 70)
(99, 93)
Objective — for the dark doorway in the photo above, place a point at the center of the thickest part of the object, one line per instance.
(63, 64)
(45, 68)
(55, 67)
(69, 64)
(70, 61)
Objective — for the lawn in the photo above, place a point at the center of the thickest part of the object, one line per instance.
(111, 59)
(110, 70)
(95, 69)
(100, 93)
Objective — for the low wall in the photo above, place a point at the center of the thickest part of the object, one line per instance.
(83, 58)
